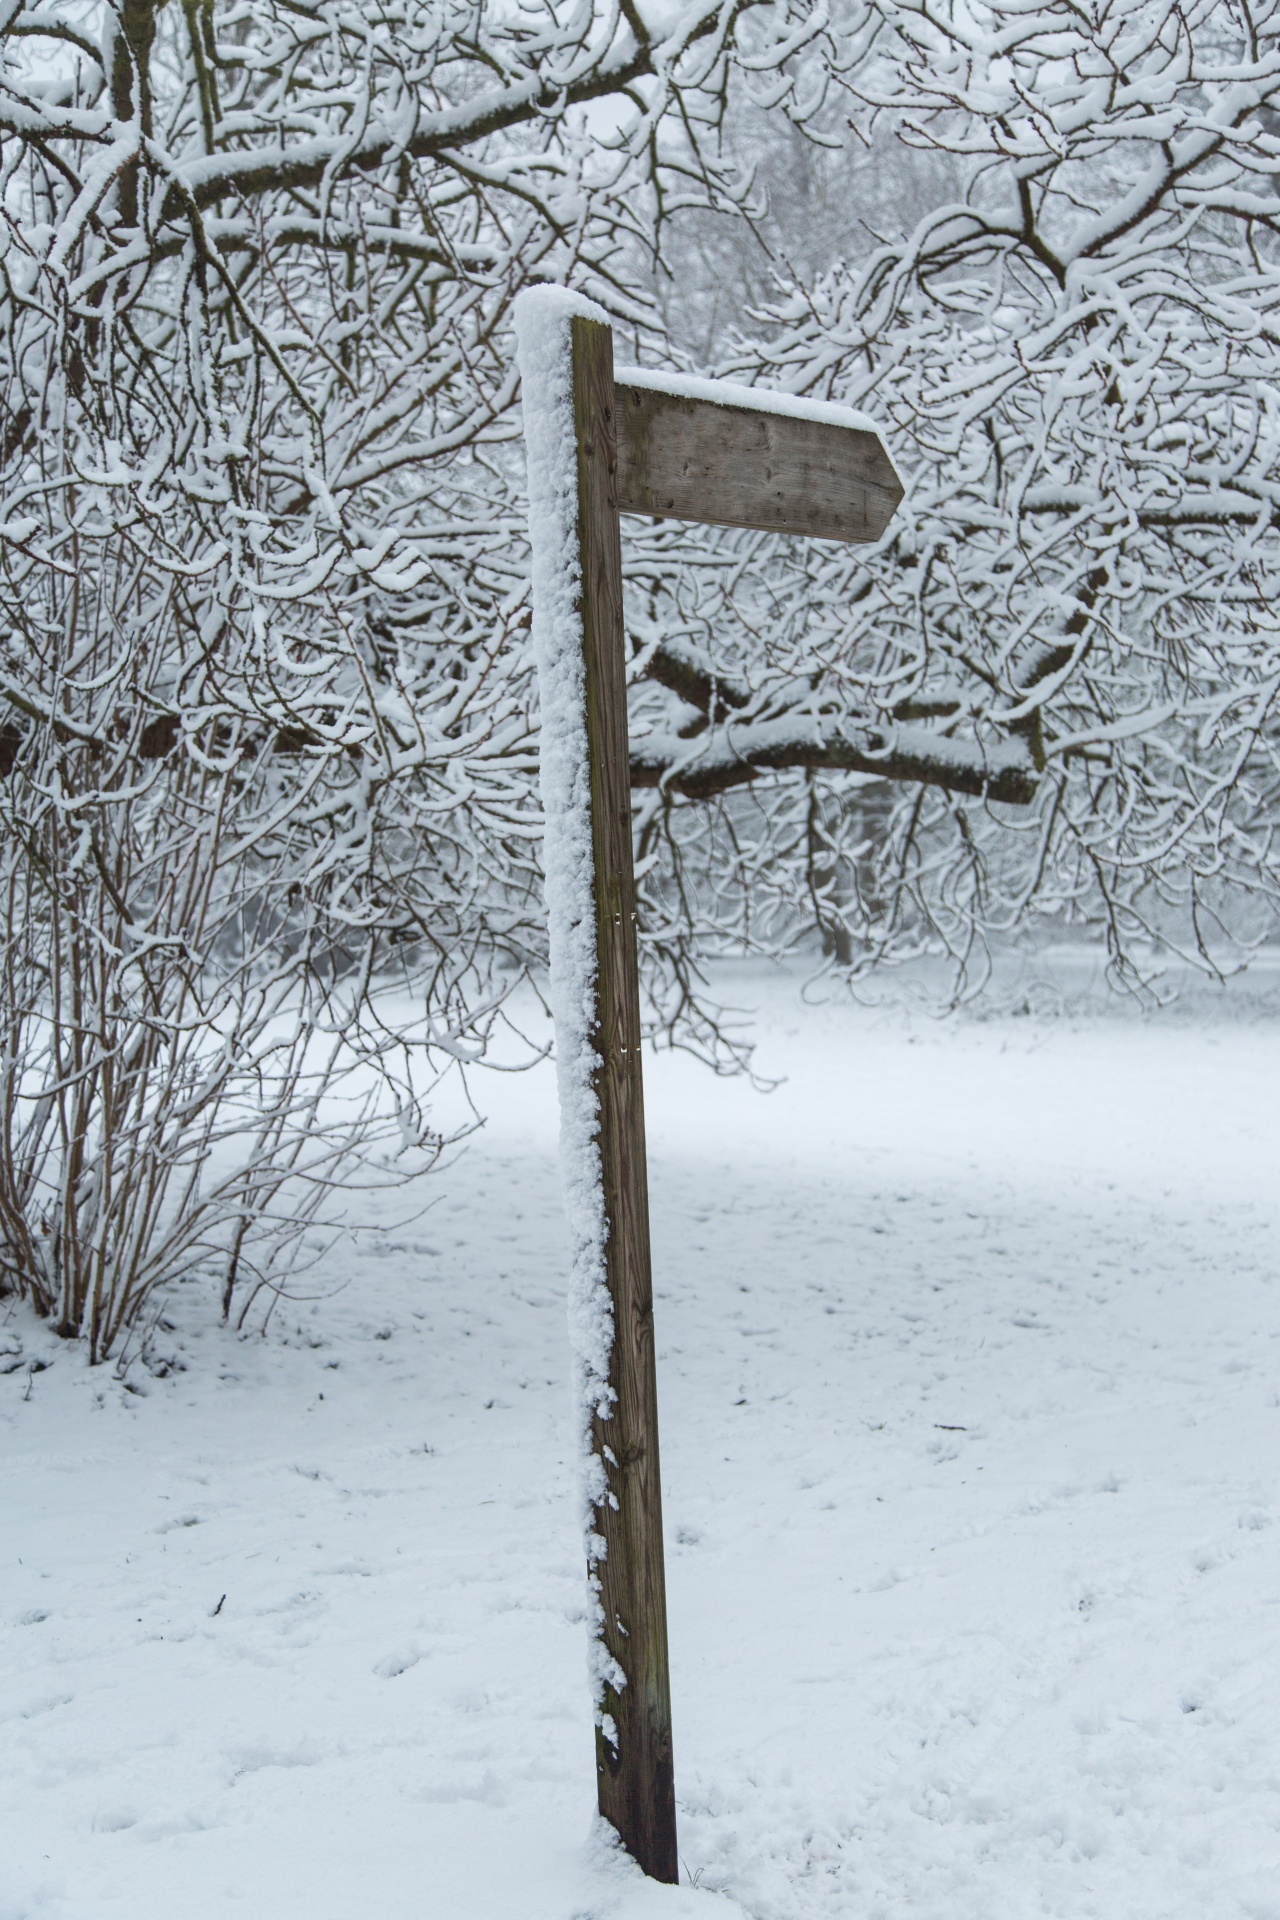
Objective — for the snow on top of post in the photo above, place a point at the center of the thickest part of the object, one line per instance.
(728, 393)
(542, 317)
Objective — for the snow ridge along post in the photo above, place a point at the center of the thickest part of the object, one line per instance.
(565, 350)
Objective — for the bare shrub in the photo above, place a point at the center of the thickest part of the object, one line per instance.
(192, 1054)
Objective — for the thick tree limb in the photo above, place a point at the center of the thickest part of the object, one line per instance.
(309, 162)
(733, 755)
(686, 672)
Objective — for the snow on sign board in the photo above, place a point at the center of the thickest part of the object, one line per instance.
(597, 445)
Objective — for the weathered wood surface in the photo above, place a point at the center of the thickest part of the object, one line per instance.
(738, 467)
(635, 1775)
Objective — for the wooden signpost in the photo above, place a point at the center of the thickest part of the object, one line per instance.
(660, 448)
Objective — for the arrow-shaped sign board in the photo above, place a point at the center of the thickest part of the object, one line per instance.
(600, 445)
(691, 450)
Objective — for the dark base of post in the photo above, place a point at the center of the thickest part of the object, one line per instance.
(640, 1805)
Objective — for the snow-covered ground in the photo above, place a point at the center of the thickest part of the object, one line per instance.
(969, 1365)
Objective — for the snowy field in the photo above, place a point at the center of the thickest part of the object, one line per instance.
(970, 1388)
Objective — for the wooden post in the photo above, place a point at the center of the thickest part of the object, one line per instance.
(635, 1777)
(702, 451)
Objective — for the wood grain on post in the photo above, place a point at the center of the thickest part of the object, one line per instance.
(728, 466)
(635, 1776)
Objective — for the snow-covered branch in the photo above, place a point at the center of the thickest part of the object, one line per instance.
(728, 756)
